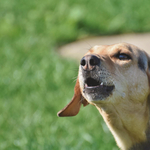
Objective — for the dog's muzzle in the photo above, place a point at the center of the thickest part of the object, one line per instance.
(94, 87)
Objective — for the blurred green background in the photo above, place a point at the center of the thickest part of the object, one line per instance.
(35, 82)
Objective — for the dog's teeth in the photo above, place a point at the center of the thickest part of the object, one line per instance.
(102, 83)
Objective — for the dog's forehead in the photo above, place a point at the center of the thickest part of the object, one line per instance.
(109, 49)
(136, 53)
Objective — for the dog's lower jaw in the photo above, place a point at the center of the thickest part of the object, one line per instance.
(127, 134)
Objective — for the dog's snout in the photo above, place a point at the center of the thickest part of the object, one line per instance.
(89, 62)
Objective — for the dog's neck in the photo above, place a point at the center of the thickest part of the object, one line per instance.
(128, 124)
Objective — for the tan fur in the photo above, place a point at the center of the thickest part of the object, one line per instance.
(126, 110)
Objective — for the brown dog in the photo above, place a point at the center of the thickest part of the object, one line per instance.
(116, 79)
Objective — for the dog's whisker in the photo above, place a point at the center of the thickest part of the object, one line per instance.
(75, 79)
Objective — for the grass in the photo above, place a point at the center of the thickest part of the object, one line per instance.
(35, 82)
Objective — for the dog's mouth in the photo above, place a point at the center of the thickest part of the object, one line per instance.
(90, 82)
(97, 89)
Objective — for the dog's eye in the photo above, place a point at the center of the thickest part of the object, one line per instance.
(123, 56)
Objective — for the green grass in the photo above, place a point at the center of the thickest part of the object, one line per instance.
(35, 82)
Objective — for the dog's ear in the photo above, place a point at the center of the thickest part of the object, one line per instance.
(148, 70)
(144, 63)
(73, 107)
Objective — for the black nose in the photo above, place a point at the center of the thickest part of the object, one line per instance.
(89, 62)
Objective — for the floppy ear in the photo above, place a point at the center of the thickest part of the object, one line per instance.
(73, 107)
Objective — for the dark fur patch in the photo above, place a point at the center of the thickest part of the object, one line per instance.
(141, 146)
(149, 64)
(129, 48)
(141, 62)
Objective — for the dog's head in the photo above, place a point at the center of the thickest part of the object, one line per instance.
(111, 74)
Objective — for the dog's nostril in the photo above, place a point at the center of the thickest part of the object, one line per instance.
(83, 62)
(94, 61)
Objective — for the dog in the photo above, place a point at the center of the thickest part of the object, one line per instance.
(116, 79)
